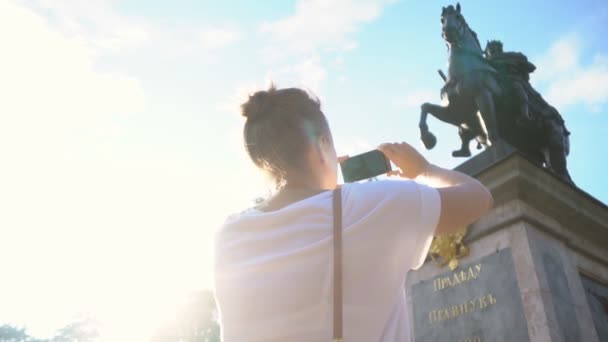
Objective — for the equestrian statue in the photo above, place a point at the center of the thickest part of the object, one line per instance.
(490, 97)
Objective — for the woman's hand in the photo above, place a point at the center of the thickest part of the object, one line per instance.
(341, 159)
(410, 161)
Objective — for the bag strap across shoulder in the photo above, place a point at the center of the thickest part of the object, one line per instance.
(337, 213)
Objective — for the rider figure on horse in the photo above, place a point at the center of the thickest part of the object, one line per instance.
(515, 69)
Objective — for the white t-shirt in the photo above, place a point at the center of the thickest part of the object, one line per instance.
(274, 270)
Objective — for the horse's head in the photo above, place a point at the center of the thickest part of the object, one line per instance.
(453, 25)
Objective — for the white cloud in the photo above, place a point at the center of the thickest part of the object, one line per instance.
(95, 21)
(308, 74)
(50, 86)
(212, 38)
(587, 85)
(316, 28)
(232, 104)
(320, 24)
(563, 56)
(98, 24)
(569, 81)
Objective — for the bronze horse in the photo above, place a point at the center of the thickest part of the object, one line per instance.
(481, 104)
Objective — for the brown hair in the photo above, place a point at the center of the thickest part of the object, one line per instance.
(281, 126)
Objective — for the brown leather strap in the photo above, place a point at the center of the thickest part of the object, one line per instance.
(337, 208)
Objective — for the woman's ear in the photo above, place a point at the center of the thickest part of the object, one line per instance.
(322, 146)
(326, 144)
(323, 141)
(327, 150)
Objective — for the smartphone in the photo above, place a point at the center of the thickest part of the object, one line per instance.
(364, 166)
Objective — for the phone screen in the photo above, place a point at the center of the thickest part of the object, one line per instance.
(364, 166)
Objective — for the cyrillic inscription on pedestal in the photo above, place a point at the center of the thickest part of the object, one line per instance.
(478, 302)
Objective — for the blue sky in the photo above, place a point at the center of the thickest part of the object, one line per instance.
(120, 133)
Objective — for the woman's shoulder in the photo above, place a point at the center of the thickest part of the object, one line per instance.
(371, 193)
(257, 216)
(234, 218)
(380, 186)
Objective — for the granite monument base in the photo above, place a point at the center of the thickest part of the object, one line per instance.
(537, 268)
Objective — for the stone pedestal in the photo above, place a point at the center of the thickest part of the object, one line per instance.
(537, 268)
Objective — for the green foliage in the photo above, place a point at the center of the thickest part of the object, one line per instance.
(9, 333)
(195, 321)
(83, 330)
(13, 334)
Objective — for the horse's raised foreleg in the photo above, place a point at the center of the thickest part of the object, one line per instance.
(442, 113)
(485, 105)
(437, 111)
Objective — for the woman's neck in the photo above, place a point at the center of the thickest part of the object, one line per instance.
(288, 194)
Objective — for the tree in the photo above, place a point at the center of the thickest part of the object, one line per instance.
(9, 333)
(83, 330)
(195, 321)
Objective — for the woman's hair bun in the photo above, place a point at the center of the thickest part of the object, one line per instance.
(259, 104)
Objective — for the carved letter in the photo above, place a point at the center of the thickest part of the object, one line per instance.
(464, 308)
(456, 280)
(491, 299)
(472, 274)
(482, 302)
(447, 313)
(455, 312)
(472, 302)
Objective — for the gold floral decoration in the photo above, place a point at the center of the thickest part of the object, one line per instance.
(448, 248)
